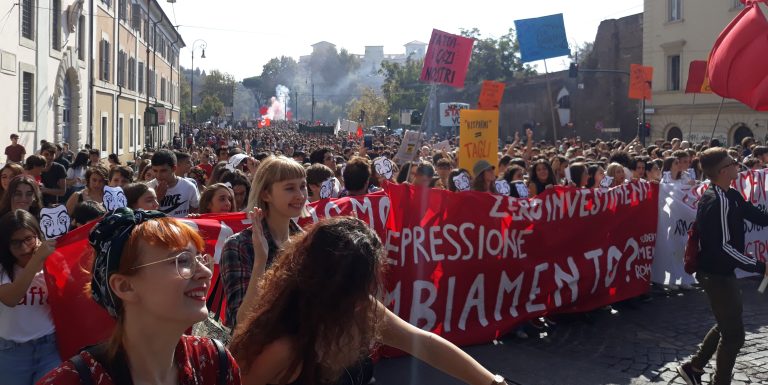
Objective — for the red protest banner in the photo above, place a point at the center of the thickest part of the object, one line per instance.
(640, 81)
(447, 59)
(79, 321)
(472, 275)
(490, 95)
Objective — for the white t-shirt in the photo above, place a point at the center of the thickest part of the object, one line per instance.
(179, 199)
(31, 318)
(77, 173)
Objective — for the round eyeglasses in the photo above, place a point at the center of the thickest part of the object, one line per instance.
(186, 263)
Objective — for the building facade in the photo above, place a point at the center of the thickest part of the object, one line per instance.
(44, 73)
(136, 64)
(52, 91)
(676, 32)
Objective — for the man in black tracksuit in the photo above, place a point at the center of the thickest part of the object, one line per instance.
(720, 222)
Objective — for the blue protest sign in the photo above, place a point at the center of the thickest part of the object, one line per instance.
(542, 38)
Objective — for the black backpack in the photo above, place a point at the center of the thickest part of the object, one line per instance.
(121, 375)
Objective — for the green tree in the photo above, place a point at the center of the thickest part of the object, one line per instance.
(375, 107)
(401, 88)
(184, 94)
(495, 59)
(219, 84)
(208, 109)
(283, 70)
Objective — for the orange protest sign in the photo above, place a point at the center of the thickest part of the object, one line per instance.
(640, 81)
(490, 95)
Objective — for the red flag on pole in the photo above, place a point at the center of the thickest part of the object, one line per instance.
(359, 131)
(736, 65)
(698, 83)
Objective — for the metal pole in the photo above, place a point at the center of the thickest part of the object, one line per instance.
(690, 124)
(717, 119)
(549, 98)
(313, 103)
(642, 132)
(192, 83)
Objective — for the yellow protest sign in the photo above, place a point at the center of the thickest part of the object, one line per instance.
(478, 137)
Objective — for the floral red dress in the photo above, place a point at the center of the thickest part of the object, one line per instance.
(196, 358)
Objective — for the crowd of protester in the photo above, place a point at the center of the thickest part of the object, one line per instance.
(301, 303)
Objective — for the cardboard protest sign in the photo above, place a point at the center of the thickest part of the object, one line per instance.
(409, 147)
(490, 95)
(442, 146)
(384, 167)
(326, 189)
(54, 221)
(114, 198)
(478, 137)
(542, 38)
(640, 82)
(447, 59)
(449, 113)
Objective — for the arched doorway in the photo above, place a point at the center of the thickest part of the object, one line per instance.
(68, 103)
(674, 133)
(66, 111)
(741, 132)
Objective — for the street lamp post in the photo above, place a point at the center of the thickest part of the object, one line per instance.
(203, 46)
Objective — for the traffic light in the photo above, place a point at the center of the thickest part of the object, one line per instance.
(416, 118)
(573, 70)
(362, 116)
(647, 129)
(389, 122)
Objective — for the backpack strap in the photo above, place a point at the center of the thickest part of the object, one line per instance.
(82, 370)
(223, 362)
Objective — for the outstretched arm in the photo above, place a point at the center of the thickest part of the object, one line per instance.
(432, 349)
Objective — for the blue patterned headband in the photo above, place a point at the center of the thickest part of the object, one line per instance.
(108, 238)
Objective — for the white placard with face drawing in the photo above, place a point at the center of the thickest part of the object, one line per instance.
(114, 198)
(54, 222)
(326, 189)
(606, 182)
(384, 167)
(502, 187)
(461, 181)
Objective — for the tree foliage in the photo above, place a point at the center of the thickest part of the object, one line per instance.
(402, 89)
(374, 105)
(495, 59)
(219, 84)
(209, 108)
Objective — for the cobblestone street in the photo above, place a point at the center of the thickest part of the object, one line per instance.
(638, 343)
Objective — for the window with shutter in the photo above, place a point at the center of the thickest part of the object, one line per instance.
(107, 62)
(141, 78)
(136, 17)
(28, 83)
(56, 25)
(27, 19)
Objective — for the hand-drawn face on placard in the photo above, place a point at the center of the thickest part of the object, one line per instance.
(326, 189)
(235, 161)
(384, 167)
(502, 187)
(54, 222)
(114, 198)
(522, 190)
(607, 181)
(461, 181)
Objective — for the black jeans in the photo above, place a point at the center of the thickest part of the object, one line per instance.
(727, 336)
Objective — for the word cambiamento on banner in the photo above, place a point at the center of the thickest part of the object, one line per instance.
(469, 275)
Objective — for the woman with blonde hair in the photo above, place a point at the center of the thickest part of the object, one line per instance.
(278, 194)
(616, 171)
(150, 273)
(217, 198)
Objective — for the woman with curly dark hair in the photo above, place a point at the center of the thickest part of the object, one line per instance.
(317, 315)
(541, 177)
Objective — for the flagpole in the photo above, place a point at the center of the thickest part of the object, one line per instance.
(717, 119)
(690, 125)
(549, 98)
